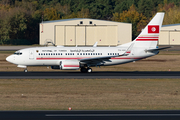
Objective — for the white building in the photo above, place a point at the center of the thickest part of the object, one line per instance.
(170, 35)
(85, 32)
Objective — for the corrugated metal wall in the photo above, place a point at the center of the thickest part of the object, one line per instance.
(169, 38)
(85, 35)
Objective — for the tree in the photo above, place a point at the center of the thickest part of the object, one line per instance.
(132, 16)
(84, 13)
(51, 14)
(172, 15)
(101, 9)
(13, 25)
(122, 5)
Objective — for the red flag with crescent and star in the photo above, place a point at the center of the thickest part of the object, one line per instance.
(153, 28)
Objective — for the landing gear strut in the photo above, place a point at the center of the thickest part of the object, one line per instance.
(85, 70)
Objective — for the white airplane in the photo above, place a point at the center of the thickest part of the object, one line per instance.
(73, 58)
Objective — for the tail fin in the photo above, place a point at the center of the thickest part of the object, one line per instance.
(148, 38)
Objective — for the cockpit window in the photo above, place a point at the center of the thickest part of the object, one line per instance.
(18, 53)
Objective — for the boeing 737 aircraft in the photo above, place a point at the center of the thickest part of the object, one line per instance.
(73, 58)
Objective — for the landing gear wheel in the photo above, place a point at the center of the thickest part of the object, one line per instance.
(25, 70)
(83, 70)
(89, 70)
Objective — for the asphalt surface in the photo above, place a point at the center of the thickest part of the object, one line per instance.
(93, 75)
(90, 115)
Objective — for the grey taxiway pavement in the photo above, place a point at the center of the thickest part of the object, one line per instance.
(93, 75)
(91, 115)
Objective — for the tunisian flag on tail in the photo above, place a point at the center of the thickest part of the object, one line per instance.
(153, 28)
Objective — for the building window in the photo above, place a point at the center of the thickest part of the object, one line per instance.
(81, 22)
(90, 22)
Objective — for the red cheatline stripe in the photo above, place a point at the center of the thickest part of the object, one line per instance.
(71, 65)
(146, 39)
(125, 58)
(128, 52)
(56, 58)
(81, 58)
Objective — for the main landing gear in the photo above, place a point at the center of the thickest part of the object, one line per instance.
(85, 70)
(25, 70)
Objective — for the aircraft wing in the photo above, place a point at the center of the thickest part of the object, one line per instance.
(95, 59)
(105, 58)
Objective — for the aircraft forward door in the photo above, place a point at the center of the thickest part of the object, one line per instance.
(31, 54)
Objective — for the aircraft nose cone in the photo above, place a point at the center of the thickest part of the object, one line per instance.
(9, 59)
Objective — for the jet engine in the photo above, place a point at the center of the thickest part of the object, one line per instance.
(68, 65)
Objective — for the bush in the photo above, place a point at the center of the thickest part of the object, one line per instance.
(16, 42)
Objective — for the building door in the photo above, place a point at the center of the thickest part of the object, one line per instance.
(60, 35)
(80, 35)
(70, 36)
(175, 38)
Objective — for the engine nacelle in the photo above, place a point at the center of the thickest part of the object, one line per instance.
(68, 65)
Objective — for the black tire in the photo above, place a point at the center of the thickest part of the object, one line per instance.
(89, 70)
(83, 70)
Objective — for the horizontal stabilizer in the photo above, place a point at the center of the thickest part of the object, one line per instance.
(151, 50)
